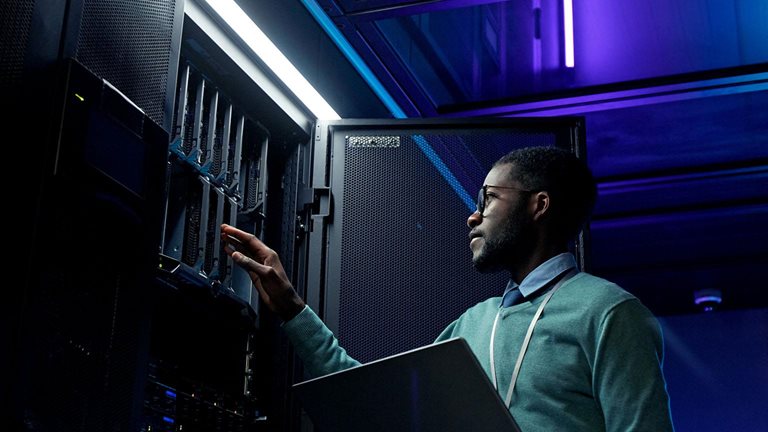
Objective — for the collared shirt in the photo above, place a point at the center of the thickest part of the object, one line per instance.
(542, 275)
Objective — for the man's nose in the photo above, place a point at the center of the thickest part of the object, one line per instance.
(474, 219)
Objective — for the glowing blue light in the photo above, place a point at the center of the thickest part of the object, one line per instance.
(354, 58)
(429, 152)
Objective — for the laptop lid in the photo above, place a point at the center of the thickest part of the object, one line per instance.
(438, 387)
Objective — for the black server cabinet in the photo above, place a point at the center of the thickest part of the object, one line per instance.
(84, 204)
(388, 263)
(133, 45)
(84, 329)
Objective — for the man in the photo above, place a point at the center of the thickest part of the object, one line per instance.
(566, 350)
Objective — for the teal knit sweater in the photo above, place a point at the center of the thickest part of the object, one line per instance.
(593, 363)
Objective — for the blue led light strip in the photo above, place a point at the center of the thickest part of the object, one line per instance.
(446, 173)
(352, 55)
(357, 62)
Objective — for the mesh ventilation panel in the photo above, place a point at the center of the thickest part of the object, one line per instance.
(128, 43)
(16, 17)
(406, 269)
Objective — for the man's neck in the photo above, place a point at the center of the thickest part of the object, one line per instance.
(538, 257)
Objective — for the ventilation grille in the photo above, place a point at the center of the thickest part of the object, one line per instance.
(128, 43)
(16, 17)
(406, 269)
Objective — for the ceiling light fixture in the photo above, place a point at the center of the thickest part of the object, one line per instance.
(708, 299)
(257, 41)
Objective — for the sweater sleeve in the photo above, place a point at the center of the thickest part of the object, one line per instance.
(316, 345)
(627, 373)
(447, 333)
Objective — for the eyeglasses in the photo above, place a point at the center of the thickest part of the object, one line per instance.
(482, 195)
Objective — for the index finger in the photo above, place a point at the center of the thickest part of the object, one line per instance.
(247, 241)
(236, 233)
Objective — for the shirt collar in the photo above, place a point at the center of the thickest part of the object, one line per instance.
(542, 275)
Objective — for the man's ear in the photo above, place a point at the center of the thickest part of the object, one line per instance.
(541, 205)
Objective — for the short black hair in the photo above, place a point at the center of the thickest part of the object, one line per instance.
(568, 180)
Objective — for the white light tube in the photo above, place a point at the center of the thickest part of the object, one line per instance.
(233, 15)
(568, 31)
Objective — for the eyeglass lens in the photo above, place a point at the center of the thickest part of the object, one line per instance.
(480, 200)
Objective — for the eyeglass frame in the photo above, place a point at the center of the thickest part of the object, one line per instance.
(482, 195)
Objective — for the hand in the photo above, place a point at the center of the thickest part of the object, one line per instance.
(266, 271)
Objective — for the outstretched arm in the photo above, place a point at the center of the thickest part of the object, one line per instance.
(265, 269)
(314, 342)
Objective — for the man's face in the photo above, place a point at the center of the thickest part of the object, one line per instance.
(503, 234)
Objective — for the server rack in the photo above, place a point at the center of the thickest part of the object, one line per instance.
(217, 173)
(232, 159)
(84, 336)
(90, 95)
(127, 187)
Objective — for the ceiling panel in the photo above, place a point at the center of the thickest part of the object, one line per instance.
(467, 53)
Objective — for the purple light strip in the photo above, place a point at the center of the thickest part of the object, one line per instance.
(537, 46)
(635, 185)
(568, 33)
(627, 98)
(708, 299)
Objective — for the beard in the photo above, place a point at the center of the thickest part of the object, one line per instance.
(499, 252)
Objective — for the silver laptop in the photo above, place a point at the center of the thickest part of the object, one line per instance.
(439, 387)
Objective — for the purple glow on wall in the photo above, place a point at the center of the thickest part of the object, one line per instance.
(620, 41)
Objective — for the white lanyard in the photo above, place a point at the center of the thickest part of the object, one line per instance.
(527, 339)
